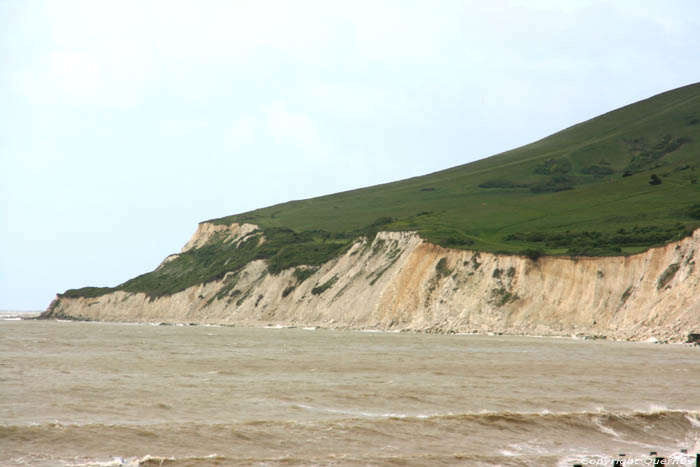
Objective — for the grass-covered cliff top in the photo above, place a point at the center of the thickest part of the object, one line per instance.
(617, 184)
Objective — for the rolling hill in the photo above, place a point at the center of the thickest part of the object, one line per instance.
(614, 185)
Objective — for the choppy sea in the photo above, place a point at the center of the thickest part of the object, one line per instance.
(99, 394)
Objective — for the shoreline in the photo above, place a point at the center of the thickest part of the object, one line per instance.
(369, 330)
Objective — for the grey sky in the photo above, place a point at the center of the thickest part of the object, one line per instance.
(123, 124)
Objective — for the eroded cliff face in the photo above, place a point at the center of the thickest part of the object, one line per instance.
(399, 281)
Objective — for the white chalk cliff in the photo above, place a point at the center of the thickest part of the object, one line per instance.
(400, 281)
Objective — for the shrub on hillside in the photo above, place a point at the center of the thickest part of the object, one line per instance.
(694, 211)
(533, 253)
(501, 183)
(597, 170)
(553, 167)
(442, 269)
(452, 242)
(554, 184)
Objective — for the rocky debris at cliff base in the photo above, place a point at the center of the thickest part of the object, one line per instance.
(590, 337)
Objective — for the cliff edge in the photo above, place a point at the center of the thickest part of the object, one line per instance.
(398, 281)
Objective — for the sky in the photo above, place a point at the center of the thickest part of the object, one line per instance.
(125, 123)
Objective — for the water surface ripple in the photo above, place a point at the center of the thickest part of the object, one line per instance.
(118, 394)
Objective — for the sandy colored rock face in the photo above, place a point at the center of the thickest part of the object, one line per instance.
(206, 232)
(400, 281)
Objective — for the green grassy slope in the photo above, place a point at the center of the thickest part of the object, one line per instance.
(586, 162)
(585, 190)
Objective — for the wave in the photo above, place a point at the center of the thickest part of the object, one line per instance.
(486, 438)
(610, 422)
(214, 460)
(506, 459)
(8, 315)
(651, 414)
(654, 410)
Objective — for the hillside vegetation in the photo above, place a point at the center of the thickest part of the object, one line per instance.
(617, 184)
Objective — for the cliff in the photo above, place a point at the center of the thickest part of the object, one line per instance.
(398, 281)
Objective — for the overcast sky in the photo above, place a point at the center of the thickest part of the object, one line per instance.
(123, 124)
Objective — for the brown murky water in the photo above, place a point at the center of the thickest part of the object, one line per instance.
(117, 394)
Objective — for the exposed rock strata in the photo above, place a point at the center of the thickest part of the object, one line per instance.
(399, 281)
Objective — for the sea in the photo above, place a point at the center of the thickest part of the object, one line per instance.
(105, 394)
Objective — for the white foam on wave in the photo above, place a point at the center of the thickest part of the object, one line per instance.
(525, 448)
(694, 419)
(607, 430)
(135, 461)
(114, 462)
(507, 453)
(657, 409)
(153, 459)
(7, 315)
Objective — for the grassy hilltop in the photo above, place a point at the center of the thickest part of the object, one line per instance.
(616, 184)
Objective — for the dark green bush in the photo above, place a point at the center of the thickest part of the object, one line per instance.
(597, 170)
(666, 276)
(302, 274)
(553, 167)
(694, 211)
(318, 290)
(501, 184)
(593, 243)
(554, 184)
(650, 154)
(441, 268)
(533, 253)
(452, 242)
(87, 292)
